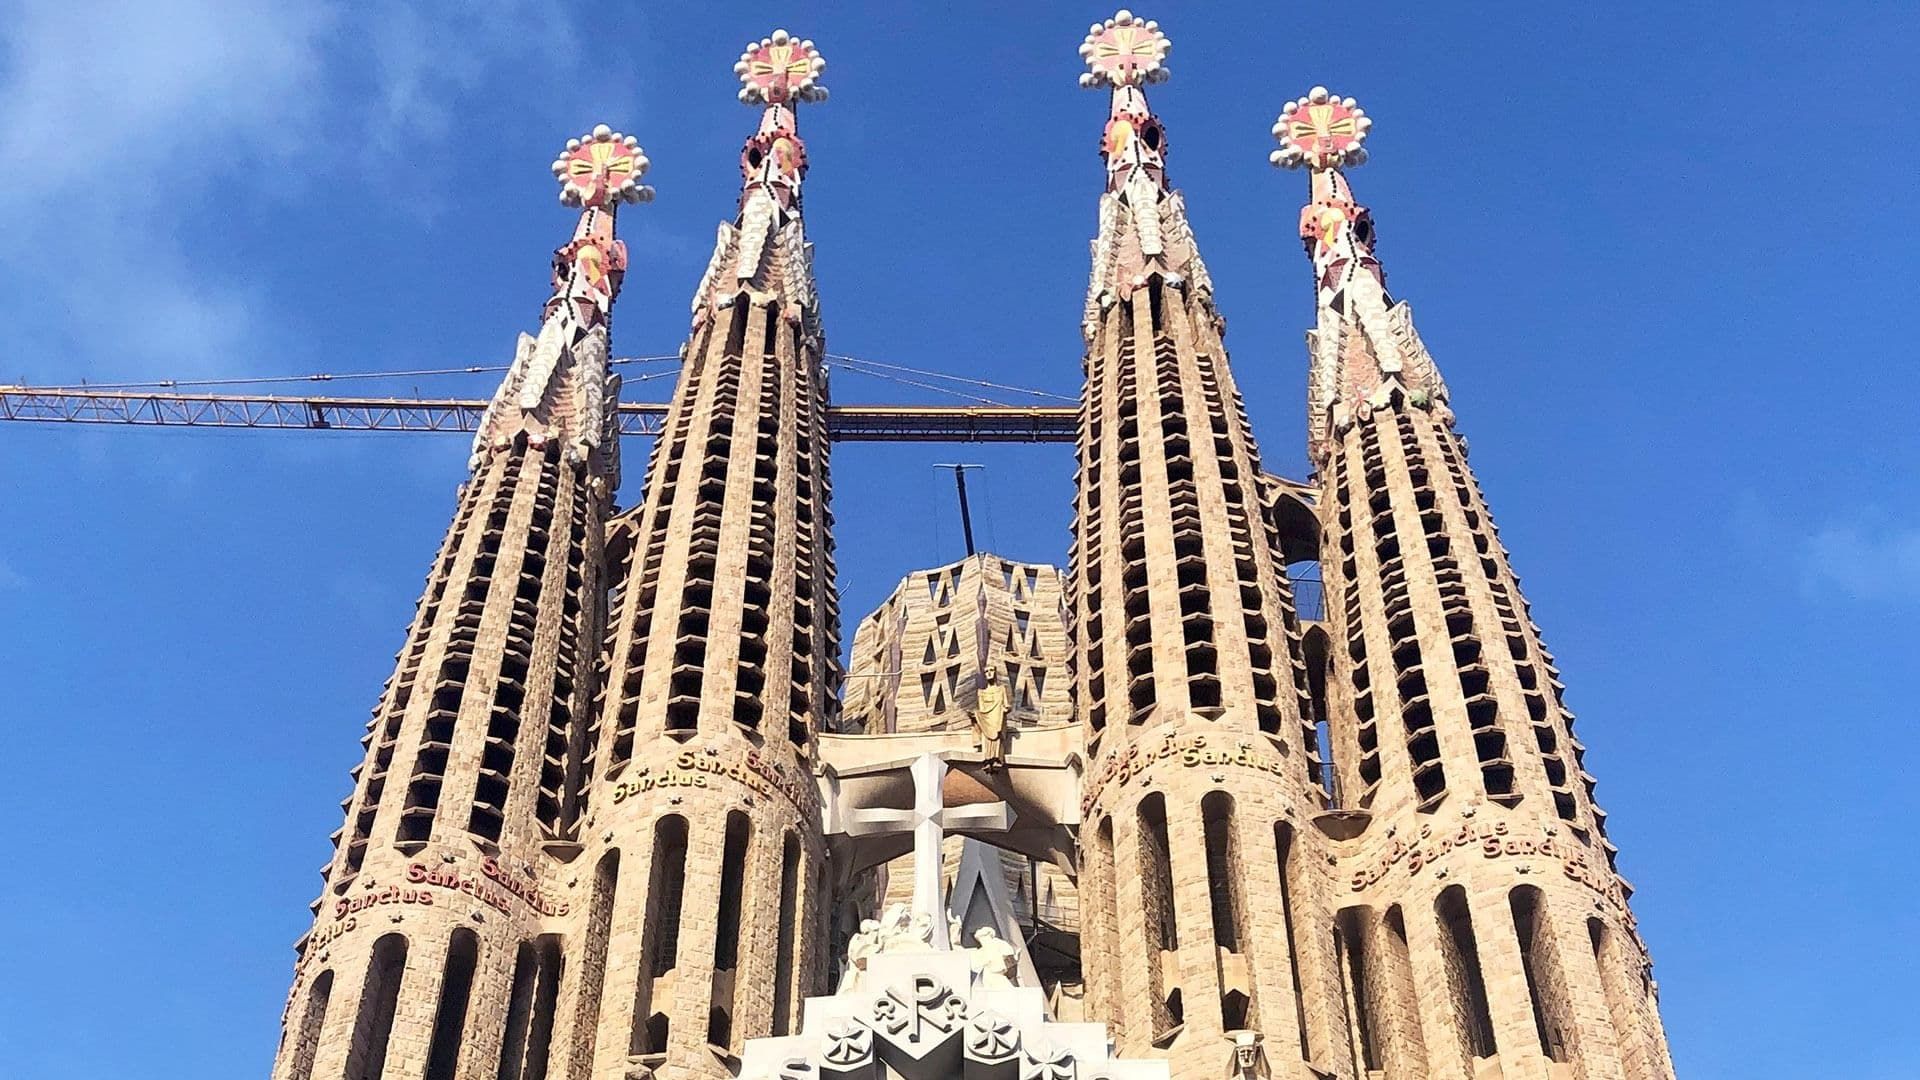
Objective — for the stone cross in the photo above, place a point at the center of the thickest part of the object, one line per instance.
(929, 821)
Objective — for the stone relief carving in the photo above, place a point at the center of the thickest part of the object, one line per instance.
(994, 959)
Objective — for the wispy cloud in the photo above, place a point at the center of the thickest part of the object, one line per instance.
(119, 120)
(1875, 562)
(10, 578)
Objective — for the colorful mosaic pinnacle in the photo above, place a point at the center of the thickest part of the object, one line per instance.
(1124, 51)
(1321, 131)
(779, 69)
(601, 168)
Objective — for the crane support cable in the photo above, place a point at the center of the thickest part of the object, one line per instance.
(845, 359)
(261, 380)
(949, 391)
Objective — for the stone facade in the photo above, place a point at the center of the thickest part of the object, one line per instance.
(617, 820)
(919, 661)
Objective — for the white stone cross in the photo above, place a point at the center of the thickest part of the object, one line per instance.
(929, 821)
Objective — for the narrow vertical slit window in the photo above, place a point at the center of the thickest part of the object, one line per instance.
(1216, 812)
(659, 944)
(1283, 850)
(312, 1021)
(1465, 982)
(367, 1058)
(450, 1018)
(593, 954)
(1350, 934)
(1163, 932)
(1544, 987)
(1104, 912)
(783, 944)
(726, 936)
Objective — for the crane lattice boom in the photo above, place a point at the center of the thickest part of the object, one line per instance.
(845, 423)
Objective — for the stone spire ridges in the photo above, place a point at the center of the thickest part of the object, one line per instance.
(764, 252)
(1365, 353)
(558, 389)
(1143, 223)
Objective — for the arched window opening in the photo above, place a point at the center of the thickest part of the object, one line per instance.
(1157, 907)
(1545, 989)
(733, 877)
(450, 1019)
(1626, 1003)
(536, 991)
(726, 936)
(1156, 879)
(1283, 851)
(312, 1021)
(660, 938)
(783, 945)
(1216, 813)
(1464, 980)
(1350, 946)
(593, 957)
(1103, 911)
(367, 1058)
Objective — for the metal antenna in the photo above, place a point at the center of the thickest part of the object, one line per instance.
(960, 485)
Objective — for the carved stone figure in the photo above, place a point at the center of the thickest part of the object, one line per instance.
(1249, 1060)
(994, 959)
(865, 943)
(902, 929)
(990, 718)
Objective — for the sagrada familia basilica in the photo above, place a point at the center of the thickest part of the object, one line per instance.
(622, 815)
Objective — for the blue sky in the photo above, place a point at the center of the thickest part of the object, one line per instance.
(1662, 253)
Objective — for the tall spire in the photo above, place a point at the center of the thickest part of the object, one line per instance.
(1364, 349)
(1445, 708)
(722, 652)
(558, 388)
(1185, 640)
(764, 252)
(466, 806)
(1143, 224)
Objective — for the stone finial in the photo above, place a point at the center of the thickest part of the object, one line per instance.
(1321, 131)
(1124, 51)
(601, 168)
(780, 68)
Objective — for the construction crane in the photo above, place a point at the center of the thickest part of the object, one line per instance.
(175, 403)
(845, 423)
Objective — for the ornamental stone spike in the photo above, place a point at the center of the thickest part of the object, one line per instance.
(1124, 51)
(780, 69)
(601, 169)
(1321, 131)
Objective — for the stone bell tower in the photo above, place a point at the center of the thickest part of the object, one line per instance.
(707, 920)
(1482, 927)
(435, 938)
(1201, 879)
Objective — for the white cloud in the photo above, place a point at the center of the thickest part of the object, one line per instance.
(1880, 563)
(107, 116)
(10, 578)
(115, 117)
(425, 59)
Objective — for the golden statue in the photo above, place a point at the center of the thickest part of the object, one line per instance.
(990, 718)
